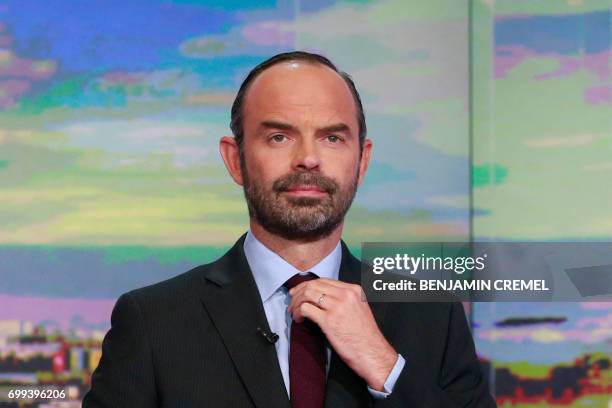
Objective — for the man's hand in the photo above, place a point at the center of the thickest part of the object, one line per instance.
(349, 325)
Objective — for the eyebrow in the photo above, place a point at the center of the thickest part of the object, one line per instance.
(273, 124)
(338, 127)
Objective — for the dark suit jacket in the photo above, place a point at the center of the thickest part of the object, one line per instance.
(192, 341)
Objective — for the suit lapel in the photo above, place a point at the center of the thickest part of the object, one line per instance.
(231, 298)
(344, 387)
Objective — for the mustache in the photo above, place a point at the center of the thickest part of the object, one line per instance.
(310, 179)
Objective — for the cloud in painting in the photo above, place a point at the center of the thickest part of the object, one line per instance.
(188, 143)
(573, 141)
(18, 74)
(596, 306)
(575, 42)
(262, 39)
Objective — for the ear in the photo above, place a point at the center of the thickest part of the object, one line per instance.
(365, 159)
(228, 147)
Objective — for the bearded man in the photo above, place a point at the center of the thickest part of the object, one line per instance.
(279, 320)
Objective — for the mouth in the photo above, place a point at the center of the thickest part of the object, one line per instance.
(306, 191)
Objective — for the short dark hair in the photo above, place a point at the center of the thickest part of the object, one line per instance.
(236, 123)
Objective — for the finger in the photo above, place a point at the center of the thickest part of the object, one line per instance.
(316, 288)
(338, 288)
(335, 282)
(312, 294)
(351, 287)
(309, 311)
(319, 285)
(339, 284)
(341, 290)
(318, 299)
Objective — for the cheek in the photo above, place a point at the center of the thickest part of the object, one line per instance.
(342, 169)
(264, 168)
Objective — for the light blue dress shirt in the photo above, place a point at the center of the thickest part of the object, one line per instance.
(271, 272)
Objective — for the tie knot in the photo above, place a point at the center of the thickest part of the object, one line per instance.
(299, 278)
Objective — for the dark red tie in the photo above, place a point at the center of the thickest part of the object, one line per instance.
(306, 358)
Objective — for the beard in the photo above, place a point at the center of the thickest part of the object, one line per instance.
(299, 218)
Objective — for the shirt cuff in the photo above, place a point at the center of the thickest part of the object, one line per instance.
(391, 380)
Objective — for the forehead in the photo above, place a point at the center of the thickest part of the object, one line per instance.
(300, 90)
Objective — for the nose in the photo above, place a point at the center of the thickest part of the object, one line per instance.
(306, 156)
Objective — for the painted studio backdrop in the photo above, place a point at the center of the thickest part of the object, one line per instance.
(490, 119)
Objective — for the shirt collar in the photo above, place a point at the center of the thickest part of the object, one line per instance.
(270, 271)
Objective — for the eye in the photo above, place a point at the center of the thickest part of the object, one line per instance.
(278, 138)
(334, 138)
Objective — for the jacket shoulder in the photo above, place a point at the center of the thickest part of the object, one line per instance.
(188, 285)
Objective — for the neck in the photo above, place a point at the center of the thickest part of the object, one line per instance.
(301, 254)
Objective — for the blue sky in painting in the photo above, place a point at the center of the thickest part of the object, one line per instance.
(133, 35)
(564, 34)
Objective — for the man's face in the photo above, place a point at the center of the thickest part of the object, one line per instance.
(301, 158)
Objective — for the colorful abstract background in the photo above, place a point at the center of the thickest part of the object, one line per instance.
(490, 120)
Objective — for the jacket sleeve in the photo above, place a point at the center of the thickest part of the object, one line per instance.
(124, 377)
(461, 383)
